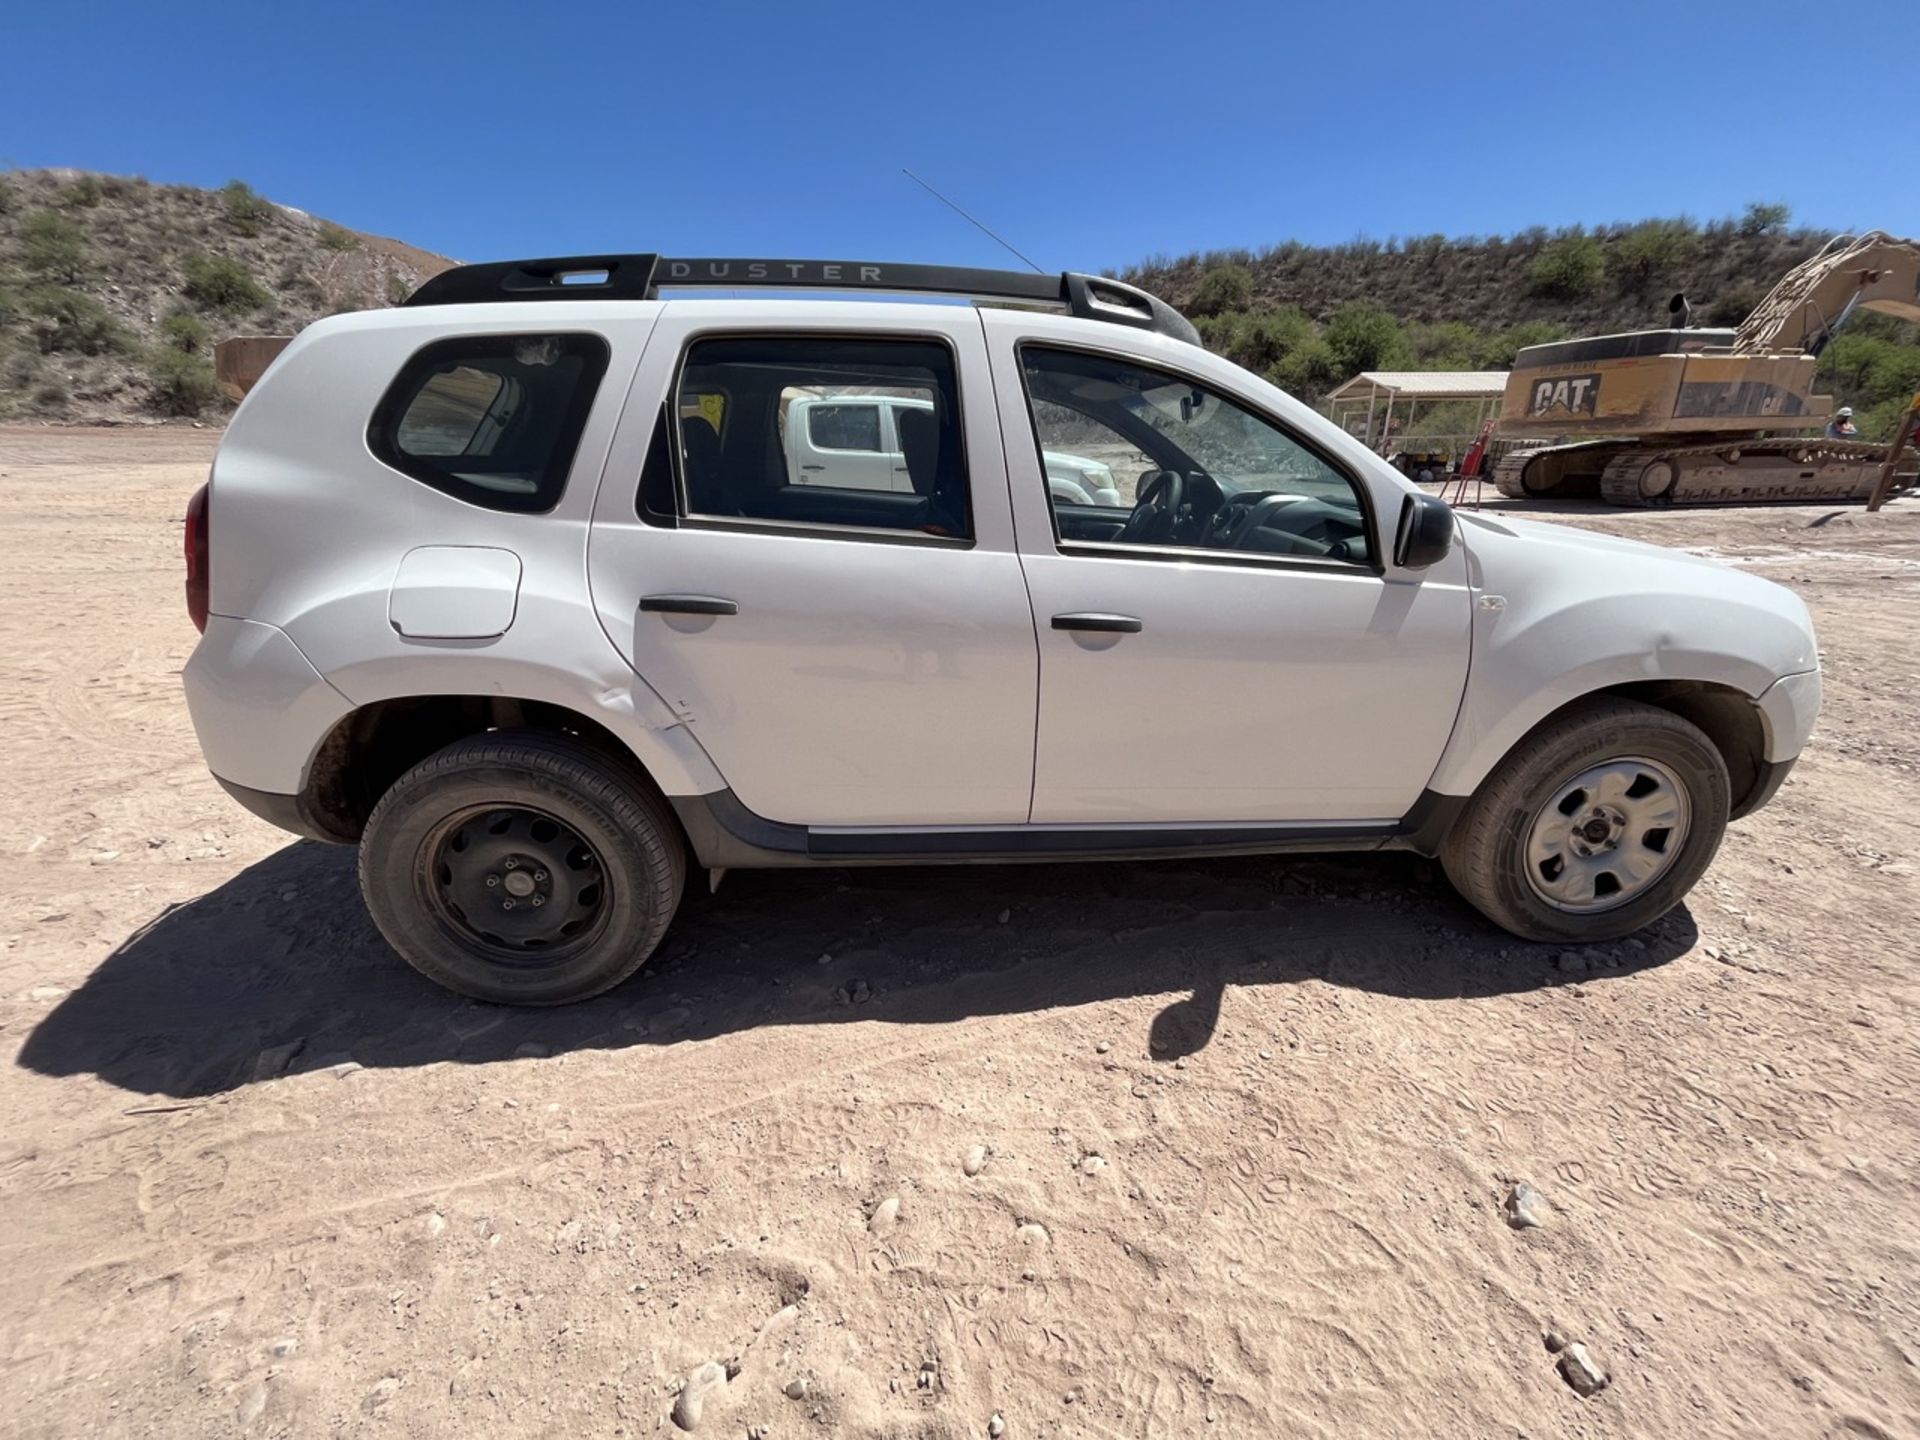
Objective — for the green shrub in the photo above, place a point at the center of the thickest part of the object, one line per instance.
(55, 246)
(1308, 371)
(398, 289)
(1501, 349)
(18, 369)
(247, 211)
(337, 237)
(1879, 422)
(181, 385)
(224, 285)
(1258, 339)
(1650, 249)
(1765, 219)
(183, 331)
(1734, 306)
(1448, 345)
(51, 397)
(1365, 337)
(77, 324)
(82, 194)
(1568, 267)
(1223, 288)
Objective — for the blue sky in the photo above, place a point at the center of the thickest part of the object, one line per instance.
(1089, 135)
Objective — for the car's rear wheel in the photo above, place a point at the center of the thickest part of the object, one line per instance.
(522, 868)
(1598, 823)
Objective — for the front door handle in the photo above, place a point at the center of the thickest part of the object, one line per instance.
(1100, 624)
(688, 605)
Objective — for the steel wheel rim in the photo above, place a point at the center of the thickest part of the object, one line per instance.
(1607, 834)
(519, 885)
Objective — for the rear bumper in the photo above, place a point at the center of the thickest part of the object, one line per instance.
(259, 709)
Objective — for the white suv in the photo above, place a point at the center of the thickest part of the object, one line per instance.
(520, 587)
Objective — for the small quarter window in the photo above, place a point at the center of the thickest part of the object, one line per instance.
(491, 419)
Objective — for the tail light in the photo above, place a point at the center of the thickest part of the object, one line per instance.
(196, 547)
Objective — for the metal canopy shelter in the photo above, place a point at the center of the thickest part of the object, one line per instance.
(1364, 406)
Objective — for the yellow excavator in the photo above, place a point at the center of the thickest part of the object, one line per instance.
(1688, 416)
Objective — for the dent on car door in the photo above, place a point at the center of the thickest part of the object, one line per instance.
(842, 659)
(1234, 654)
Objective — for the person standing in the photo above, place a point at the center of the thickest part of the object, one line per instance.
(1841, 427)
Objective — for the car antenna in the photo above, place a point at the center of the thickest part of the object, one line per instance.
(969, 219)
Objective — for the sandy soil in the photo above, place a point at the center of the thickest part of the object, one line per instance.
(1247, 1125)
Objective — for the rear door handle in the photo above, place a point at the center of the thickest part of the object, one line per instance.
(1099, 623)
(688, 605)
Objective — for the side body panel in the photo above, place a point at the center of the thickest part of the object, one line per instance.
(864, 679)
(310, 531)
(1265, 691)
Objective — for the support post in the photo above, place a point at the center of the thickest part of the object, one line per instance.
(1905, 435)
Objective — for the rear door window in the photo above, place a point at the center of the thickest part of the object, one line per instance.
(766, 465)
(491, 419)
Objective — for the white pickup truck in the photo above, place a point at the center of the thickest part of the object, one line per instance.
(852, 442)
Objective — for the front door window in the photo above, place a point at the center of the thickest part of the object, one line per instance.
(1192, 470)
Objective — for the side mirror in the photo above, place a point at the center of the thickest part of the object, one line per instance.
(1425, 533)
(1681, 311)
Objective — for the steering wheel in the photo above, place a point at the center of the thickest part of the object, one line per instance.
(1155, 508)
(1231, 523)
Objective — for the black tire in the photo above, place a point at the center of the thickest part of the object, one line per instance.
(617, 912)
(1486, 855)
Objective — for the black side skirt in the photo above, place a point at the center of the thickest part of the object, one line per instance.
(727, 835)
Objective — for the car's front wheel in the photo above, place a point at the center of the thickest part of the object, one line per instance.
(1598, 823)
(522, 868)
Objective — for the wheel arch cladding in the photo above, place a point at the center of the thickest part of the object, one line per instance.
(374, 745)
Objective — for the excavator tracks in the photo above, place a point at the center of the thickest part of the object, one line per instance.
(1508, 471)
(1750, 472)
(1553, 472)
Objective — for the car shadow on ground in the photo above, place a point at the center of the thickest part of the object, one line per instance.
(280, 970)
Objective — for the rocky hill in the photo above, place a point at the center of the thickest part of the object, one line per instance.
(113, 290)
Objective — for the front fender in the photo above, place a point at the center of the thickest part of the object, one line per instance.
(1560, 613)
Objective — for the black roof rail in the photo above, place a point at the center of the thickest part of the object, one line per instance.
(642, 277)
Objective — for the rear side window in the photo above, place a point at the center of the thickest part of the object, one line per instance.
(491, 419)
(787, 431)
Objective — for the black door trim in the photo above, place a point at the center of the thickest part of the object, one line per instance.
(725, 834)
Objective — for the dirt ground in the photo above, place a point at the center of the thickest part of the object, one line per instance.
(1246, 1125)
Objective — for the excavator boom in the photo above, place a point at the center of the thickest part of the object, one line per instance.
(1875, 271)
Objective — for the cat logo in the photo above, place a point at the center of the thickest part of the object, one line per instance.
(1566, 395)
